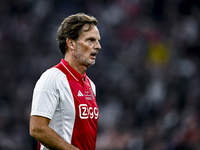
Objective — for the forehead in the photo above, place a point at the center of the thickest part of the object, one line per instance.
(89, 31)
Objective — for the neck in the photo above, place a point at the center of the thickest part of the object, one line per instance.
(75, 65)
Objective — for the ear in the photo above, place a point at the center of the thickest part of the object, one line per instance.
(71, 43)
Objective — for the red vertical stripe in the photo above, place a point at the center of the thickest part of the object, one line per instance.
(38, 146)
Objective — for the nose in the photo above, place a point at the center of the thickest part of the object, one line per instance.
(98, 45)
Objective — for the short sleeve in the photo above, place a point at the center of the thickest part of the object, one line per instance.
(45, 95)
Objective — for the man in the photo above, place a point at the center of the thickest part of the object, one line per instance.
(64, 112)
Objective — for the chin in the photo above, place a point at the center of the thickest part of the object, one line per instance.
(90, 63)
(93, 62)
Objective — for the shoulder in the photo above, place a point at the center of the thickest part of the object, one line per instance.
(52, 73)
(91, 82)
(92, 85)
(49, 79)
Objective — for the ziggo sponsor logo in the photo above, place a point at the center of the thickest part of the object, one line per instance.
(85, 112)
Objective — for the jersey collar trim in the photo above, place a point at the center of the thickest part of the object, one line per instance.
(72, 72)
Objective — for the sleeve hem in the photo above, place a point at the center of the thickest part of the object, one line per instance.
(41, 114)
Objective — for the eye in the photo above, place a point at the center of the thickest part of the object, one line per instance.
(91, 40)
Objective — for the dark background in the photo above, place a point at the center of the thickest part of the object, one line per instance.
(147, 72)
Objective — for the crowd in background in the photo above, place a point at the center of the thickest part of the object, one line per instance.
(147, 76)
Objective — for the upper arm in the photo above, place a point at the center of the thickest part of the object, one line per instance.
(37, 123)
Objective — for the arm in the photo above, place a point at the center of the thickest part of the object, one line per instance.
(40, 130)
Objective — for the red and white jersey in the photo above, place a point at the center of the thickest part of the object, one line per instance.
(68, 99)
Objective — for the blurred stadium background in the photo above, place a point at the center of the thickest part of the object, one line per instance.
(147, 72)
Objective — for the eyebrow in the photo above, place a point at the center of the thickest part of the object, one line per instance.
(93, 38)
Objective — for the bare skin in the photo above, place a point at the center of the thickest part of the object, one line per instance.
(40, 130)
(80, 55)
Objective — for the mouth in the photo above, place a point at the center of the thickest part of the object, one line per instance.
(93, 55)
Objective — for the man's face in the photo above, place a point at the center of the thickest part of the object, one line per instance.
(87, 45)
